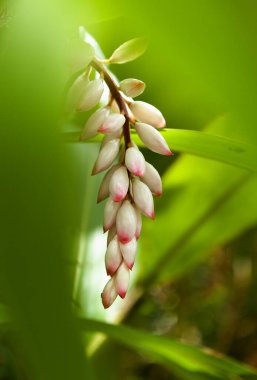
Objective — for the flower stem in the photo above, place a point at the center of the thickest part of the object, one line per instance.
(97, 65)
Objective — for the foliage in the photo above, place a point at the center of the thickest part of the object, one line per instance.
(196, 281)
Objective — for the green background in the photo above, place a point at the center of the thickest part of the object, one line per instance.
(194, 282)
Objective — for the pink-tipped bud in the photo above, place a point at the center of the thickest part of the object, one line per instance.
(139, 223)
(92, 95)
(135, 161)
(106, 156)
(111, 233)
(110, 212)
(129, 252)
(109, 293)
(119, 184)
(143, 198)
(113, 257)
(113, 123)
(146, 113)
(152, 179)
(132, 87)
(122, 280)
(94, 123)
(104, 192)
(152, 139)
(126, 222)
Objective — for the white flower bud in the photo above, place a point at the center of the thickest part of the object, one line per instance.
(129, 252)
(119, 184)
(109, 293)
(92, 95)
(113, 123)
(146, 113)
(152, 179)
(94, 123)
(110, 212)
(122, 280)
(104, 192)
(132, 87)
(126, 222)
(111, 233)
(152, 139)
(135, 161)
(106, 156)
(77, 89)
(139, 222)
(143, 198)
(113, 257)
(129, 51)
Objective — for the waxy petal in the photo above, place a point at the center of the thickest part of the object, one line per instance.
(109, 293)
(92, 95)
(132, 87)
(152, 139)
(129, 252)
(113, 257)
(139, 222)
(113, 123)
(135, 161)
(111, 233)
(143, 198)
(122, 280)
(106, 156)
(94, 123)
(146, 113)
(126, 222)
(119, 184)
(110, 212)
(152, 179)
(104, 192)
(77, 89)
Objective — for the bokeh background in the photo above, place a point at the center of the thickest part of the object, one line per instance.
(194, 284)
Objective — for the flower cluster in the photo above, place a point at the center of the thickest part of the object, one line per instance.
(130, 182)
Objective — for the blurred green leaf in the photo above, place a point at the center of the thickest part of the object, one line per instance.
(201, 144)
(188, 362)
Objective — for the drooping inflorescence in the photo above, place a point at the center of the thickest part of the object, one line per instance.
(130, 182)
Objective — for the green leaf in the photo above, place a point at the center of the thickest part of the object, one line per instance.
(202, 144)
(129, 51)
(187, 361)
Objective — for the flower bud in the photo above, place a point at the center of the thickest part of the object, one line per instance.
(139, 222)
(92, 95)
(119, 184)
(152, 139)
(126, 222)
(77, 89)
(111, 233)
(113, 257)
(146, 113)
(122, 280)
(94, 123)
(132, 87)
(106, 156)
(129, 252)
(109, 293)
(129, 51)
(104, 192)
(113, 123)
(110, 212)
(135, 161)
(143, 198)
(152, 179)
